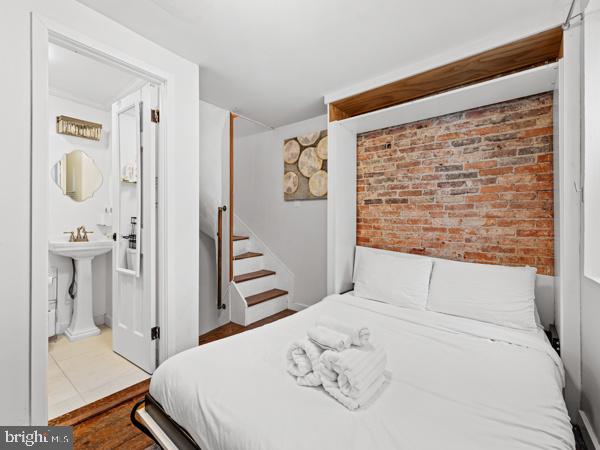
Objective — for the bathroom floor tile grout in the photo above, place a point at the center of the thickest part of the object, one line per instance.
(65, 375)
(78, 394)
(66, 358)
(131, 370)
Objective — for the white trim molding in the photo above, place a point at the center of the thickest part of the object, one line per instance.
(567, 251)
(297, 306)
(591, 112)
(43, 32)
(342, 183)
(73, 98)
(589, 437)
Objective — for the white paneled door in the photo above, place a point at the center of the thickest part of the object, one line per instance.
(134, 318)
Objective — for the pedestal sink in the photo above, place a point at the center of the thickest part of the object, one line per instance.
(82, 323)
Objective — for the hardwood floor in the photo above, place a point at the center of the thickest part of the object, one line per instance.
(79, 415)
(105, 424)
(229, 329)
(111, 429)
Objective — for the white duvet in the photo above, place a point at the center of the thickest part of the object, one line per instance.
(455, 384)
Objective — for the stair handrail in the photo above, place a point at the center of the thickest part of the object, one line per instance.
(220, 304)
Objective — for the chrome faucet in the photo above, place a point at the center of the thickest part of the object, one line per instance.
(81, 236)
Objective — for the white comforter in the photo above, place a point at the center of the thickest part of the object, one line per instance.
(455, 384)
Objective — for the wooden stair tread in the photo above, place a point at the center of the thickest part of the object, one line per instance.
(240, 238)
(247, 255)
(252, 275)
(264, 296)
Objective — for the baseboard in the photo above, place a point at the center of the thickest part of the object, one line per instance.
(297, 306)
(108, 320)
(590, 438)
(61, 327)
(100, 319)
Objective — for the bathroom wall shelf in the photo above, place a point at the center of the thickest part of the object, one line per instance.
(126, 181)
(129, 272)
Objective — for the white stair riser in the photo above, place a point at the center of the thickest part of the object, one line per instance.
(237, 305)
(246, 265)
(266, 309)
(240, 247)
(258, 285)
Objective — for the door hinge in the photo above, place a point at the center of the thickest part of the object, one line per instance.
(155, 115)
(155, 333)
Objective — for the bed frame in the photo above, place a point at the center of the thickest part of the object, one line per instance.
(153, 421)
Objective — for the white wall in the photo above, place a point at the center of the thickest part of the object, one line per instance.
(341, 214)
(65, 214)
(296, 231)
(181, 185)
(590, 287)
(214, 192)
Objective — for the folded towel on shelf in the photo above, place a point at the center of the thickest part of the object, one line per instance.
(329, 339)
(353, 376)
(358, 334)
(302, 362)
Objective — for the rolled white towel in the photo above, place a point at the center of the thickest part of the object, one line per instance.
(329, 339)
(353, 376)
(302, 362)
(357, 371)
(358, 334)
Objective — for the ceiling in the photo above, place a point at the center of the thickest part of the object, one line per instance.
(244, 127)
(274, 60)
(85, 80)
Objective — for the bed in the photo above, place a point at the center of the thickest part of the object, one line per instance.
(454, 383)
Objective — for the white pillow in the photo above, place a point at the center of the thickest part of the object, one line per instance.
(391, 278)
(496, 294)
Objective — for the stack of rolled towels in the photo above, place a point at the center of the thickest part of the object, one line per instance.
(338, 356)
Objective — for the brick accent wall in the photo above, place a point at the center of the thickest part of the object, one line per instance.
(471, 186)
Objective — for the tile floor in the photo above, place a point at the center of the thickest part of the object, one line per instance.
(85, 371)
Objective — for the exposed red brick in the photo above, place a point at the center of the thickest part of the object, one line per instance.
(535, 168)
(497, 171)
(475, 185)
(536, 132)
(481, 164)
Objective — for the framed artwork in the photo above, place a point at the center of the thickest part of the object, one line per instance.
(305, 167)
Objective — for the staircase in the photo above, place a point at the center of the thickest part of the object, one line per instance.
(261, 283)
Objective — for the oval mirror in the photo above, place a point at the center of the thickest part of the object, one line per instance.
(77, 175)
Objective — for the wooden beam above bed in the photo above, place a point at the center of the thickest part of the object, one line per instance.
(532, 51)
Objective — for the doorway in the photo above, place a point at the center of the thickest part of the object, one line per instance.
(100, 131)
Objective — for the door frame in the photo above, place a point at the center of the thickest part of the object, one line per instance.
(232, 117)
(43, 32)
